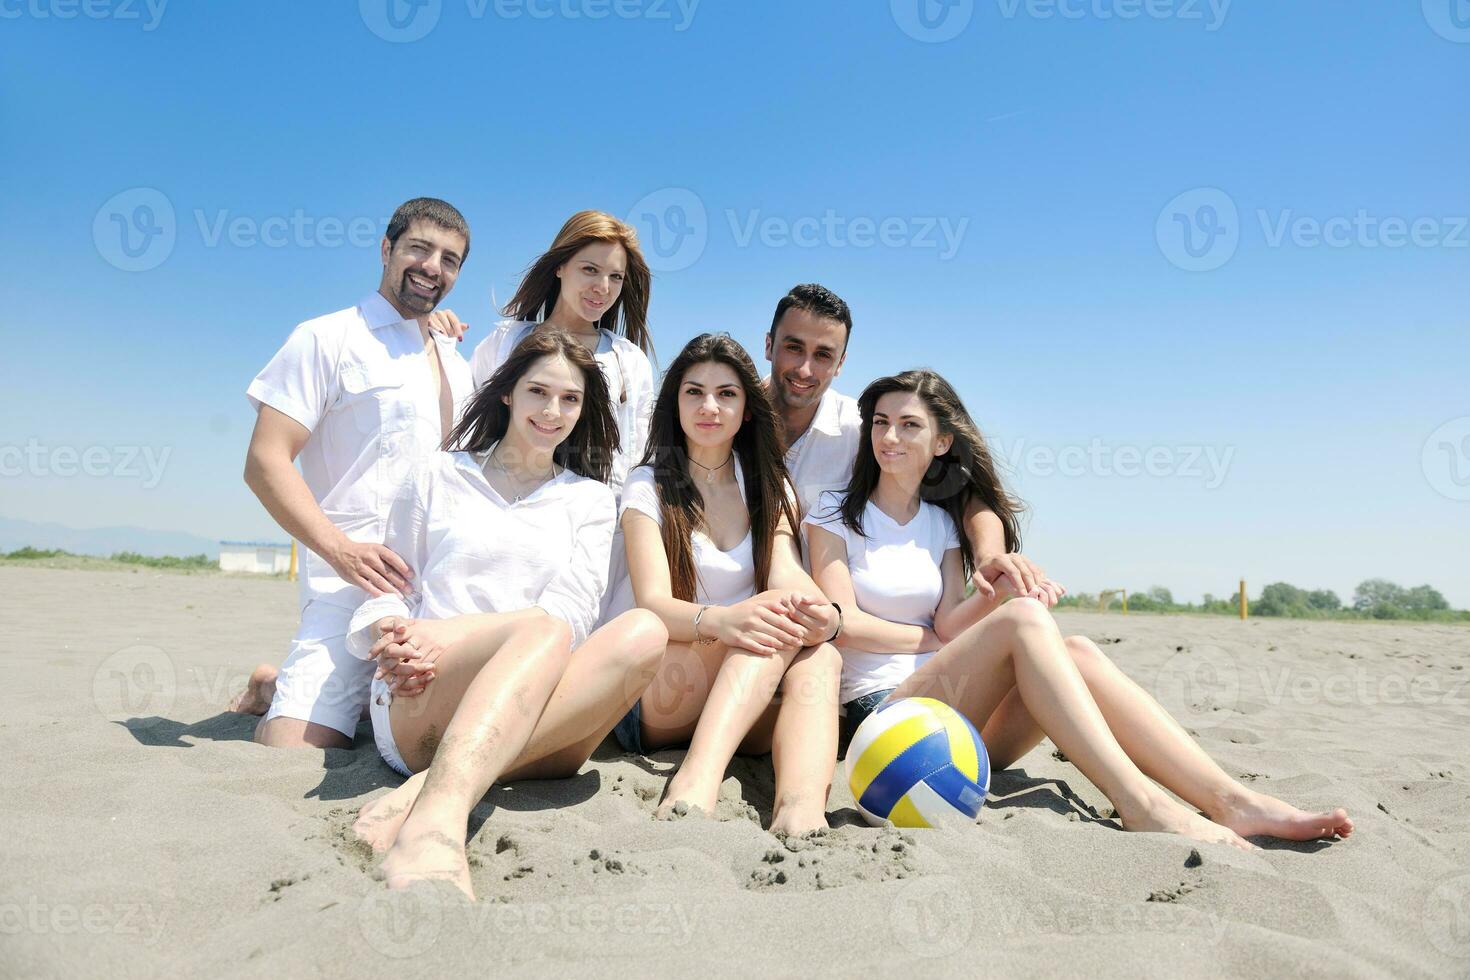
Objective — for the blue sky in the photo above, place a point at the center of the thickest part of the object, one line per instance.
(1008, 205)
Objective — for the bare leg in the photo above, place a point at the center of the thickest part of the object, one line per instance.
(293, 733)
(606, 675)
(260, 689)
(742, 690)
(1165, 752)
(1019, 646)
(486, 710)
(804, 745)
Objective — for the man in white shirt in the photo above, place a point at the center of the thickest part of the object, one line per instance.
(806, 346)
(359, 396)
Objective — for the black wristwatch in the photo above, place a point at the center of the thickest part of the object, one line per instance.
(838, 631)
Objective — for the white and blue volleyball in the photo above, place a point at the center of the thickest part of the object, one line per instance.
(918, 763)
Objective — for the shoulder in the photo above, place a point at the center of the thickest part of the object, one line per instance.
(630, 355)
(940, 524)
(589, 493)
(827, 510)
(847, 410)
(332, 329)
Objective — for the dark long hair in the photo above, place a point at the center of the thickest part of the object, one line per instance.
(536, 296)
(966, 470)
(758, 445)
(588, 450)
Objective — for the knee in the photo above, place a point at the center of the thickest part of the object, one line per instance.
(1024, 611)
(549, 632)
(826, 659)
(1085, 654)
(642, 638)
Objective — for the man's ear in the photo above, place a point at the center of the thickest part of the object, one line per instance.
(386, 250)
(770, 339)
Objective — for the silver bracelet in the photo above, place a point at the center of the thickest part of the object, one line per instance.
(697, 617)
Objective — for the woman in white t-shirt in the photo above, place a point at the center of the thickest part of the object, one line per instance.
(887, 552)
(709, 521)
(493, 668)
(593, 283)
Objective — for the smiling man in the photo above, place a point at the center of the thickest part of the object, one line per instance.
(806, 346)
(358, 396)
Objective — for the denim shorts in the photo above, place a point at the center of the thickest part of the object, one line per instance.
(629, 731)
(858, 709)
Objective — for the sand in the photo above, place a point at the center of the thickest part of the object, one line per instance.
(146, 835)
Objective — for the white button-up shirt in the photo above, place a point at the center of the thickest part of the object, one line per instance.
(629, 382)
(472, 551)
(360, 380)
(822, 458)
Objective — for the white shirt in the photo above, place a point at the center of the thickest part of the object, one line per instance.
(472, 551)
(361, 381)
(723, 578)
(629, 382)
(822, 458)
(896, 575)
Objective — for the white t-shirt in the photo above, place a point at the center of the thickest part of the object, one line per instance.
(629, 382)
(822, 458)
(723, 578)
(896, 575)
(361, 382)
(472, 551)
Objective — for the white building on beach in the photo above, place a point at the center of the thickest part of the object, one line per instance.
(258, 557)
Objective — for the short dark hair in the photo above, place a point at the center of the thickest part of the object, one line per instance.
(816, 300)
(432, 210)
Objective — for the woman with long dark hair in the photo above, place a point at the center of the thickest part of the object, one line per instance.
(888, 552)
(709, 521)
(493, 668)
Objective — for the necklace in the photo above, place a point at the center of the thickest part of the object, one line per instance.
(515, 487)
(709, 474)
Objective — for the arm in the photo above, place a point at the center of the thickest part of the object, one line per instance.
(574, 595)
(271, 473)
(806, 605)
(956, 613)
(1021, 576)
(860, 631)
(758, 624)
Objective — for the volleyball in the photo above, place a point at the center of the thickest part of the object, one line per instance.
(918, 763)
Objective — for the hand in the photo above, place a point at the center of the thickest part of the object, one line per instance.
(373, 568)
(817, 618)
(446, 323)
(759, 624)
(408, 649)
(1017, 574)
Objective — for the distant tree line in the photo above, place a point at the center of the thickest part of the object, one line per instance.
(1375, 598)
(126, 557)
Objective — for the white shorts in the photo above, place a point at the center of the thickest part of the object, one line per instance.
(320, 681)
(383, 728)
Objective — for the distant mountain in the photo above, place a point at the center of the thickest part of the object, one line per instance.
(102, 541)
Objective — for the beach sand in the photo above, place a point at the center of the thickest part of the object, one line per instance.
(146, 835)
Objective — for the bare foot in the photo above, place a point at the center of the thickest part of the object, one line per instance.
(793, 818)
(1168, 817)
(259, 691)
(1249, 813)
(378, 822)
(428, 856)
(686, 787)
